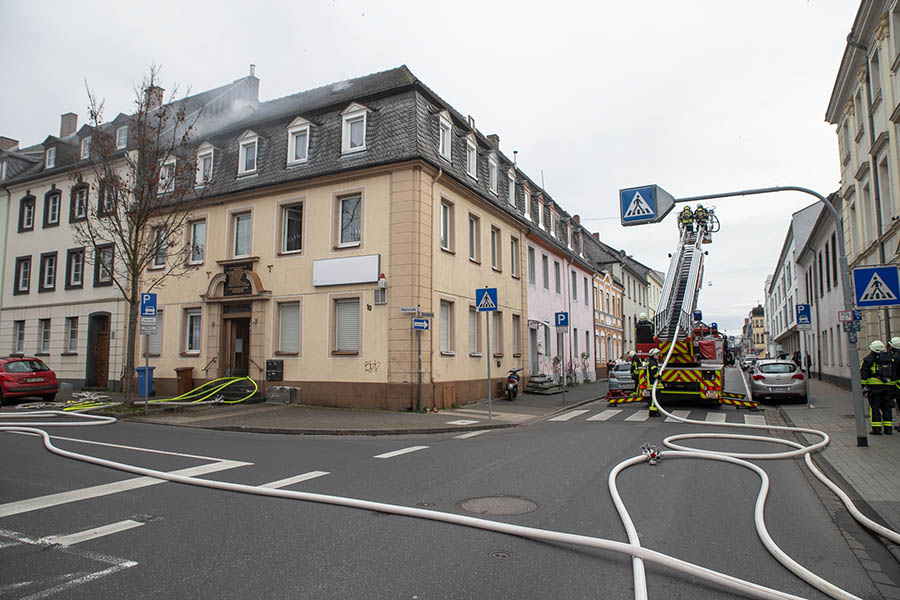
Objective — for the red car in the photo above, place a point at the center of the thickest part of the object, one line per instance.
(22, 376)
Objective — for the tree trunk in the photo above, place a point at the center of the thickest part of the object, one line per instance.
(128, 375)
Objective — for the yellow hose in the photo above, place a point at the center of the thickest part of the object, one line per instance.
(209, 389)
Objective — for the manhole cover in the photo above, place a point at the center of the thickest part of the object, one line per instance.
(500, 554)
(497, 505)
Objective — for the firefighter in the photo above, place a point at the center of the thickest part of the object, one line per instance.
(652, 376)
(894, 345)
(636, 366)
(643, 330)
(877, 374)
(700, 216)
(686, 220)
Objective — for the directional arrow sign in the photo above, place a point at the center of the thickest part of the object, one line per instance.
(420, 324)
(646, 204)
(877, 285)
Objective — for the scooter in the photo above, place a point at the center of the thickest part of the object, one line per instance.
(512, 384)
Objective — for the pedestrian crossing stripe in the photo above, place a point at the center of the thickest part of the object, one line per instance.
(638, 207)
(486, 302)
(877, 289)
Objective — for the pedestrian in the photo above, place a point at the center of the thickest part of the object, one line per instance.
(877, 372)
(653, 376)
(797, 360)
(687, 219)
(636, 367)
(895, 355)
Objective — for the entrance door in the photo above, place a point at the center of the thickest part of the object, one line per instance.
(237, 347)
(97, 363)
(533, 350)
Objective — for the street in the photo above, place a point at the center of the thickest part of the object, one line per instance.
(167, 540)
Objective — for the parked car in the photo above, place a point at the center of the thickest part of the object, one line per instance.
(620, 377)
(777, 379)
(21, 376)
(747, 362)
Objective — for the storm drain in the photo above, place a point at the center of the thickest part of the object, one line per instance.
(497, 505)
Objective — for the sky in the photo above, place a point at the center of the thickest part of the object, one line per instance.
(696, 96)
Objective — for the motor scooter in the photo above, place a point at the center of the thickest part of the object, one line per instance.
(512, 384)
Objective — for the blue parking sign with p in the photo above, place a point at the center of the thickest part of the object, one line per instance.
(148, 304)
(562, 319)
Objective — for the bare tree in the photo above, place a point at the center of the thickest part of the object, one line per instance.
(144, 195)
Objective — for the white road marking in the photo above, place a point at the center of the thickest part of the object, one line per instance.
(755, 419)
(296, 479)
(569, 415)
(606, 414)
(90, 534)
(640, 415)
(716, 417)
(399, 452)
(462, 422)
(150, 450)
(23, 506)
(678, 413)
(470, 434)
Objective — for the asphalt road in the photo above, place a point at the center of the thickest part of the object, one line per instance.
(176, 541)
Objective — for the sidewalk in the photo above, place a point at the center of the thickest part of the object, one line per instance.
(292, 419)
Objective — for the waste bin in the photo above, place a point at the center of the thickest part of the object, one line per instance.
(185, 377)
(145, 379)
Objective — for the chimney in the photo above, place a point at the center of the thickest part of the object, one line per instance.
(494, 140)
(68, 123)
(154, 96)
(8, 143)
(596, 236)
(253, 81)
(577, 219)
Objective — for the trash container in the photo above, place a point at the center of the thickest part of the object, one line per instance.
(185, 377)
(145, 379)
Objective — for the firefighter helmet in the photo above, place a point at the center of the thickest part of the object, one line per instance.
(654, 352)
(642, 317)
(877, 346)
(631, 354)
(895, 343)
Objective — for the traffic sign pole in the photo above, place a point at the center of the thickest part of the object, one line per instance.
(486, 300)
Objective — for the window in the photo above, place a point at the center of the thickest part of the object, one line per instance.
(247, 149)
(241, 234)
(447, 226)
(50, 158)
(292, 228)
(493, 174)
(51, 208)
(47, 281)
(541, 214)
(547, 341)
(553, 222)
(496, 259)
(23, 275)
(446, 325)
(44, 336)
(2, 170)
(350, 224)
(346, 326)
(514, 256)
(568, 235)
(574, 286)
(474, 238)
(354, 128)
(516, 335)
(586, 289)
(557, 276)
(154, 345)
(575, 344)
(471, 158)
(204, 167)
(78, 205)
(197, 242)
(474, 332)
(531, 266)
(192, 320)
(160, 246)
(74, 268)
(85, 147)
(71, 344)
(445, 130)
(106, 199)
(18, 336)
(298, 141)
(289, 327)
(511, 188)
(545, 267)
(103, 267)
(834, 259)
(497, 333)
(167, 177)
(587, 343)
(121, 137)
(527, 193)
(26, 213)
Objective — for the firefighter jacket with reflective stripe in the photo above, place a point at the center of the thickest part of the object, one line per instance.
(877, 370)
(635, 366)
(687, 217)
(652, 370)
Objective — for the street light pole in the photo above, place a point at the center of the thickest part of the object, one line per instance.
(859, 409)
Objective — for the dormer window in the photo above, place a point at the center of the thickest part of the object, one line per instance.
(167, 177)
(354, 128)
(85, 147)
(471, 157)
(553, 223)
(249, 145)
(121, 137)
(445, 135)
(511, 188)
(204, 165)
(493, 172)
(2, 170)
(541, 214)
(298, 141)
(527, 193)
(50, 158)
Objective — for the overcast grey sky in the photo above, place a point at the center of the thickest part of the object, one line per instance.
(697, 96)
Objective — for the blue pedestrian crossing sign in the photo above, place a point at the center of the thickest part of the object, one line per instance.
(877, 285)
(486, 299)
(646, 204)
(562, 319)
(803, 315)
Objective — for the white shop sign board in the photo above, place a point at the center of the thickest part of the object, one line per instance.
(344, 271)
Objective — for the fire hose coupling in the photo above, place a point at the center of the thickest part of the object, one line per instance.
(652, 452)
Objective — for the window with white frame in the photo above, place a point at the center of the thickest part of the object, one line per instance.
(2, 170)
(496, 259)
(353, 128)
(26, 213)
(350, 224)
(241, 235)
(514, 256)
(292, 228)
(516, 334)
(298, 141)
(104, 266)
(106, 199)
(248, 145)
(474, 238)
(121, 137)
(497, 333)
(493, 174)
(197, 241)
(346, 325)
(553, 219)
(471, 157)
(50, 158)
(160, 246)
(192, 333)
(445, 136)
(47, 281)
(446, 225)
(75, 268)
(541, 214)
(527, 194)
(446, 325)
(289, 327)
(18, 336)
(85, 147)
(71, 335)
(204, 165)
(51, 208)
(79, 203)
(531, 266)
(23, 275)
(511, 188)
(474, 332)
(44, 336)
(167, 177)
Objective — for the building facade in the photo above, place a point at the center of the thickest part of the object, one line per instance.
(607, 320)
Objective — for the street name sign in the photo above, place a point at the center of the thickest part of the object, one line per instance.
(645, 204)
(877, 285)
(486, 299)
(409, 309)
